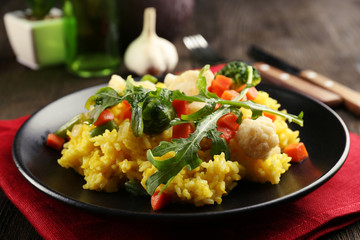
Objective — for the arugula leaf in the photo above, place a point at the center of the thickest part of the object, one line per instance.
(108, 97)
(211, 98)
(257, 110)
(152, 111)
(205, 121)
(208, 108)
(186, 151)
(105, 97)
(148, 105)
(136, 97)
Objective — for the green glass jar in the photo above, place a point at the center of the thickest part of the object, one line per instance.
(91, 37)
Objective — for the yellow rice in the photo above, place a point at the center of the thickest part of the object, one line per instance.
(108, 160)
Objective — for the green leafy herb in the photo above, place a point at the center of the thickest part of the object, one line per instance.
(205, 121)
(158, 111)
(185, 151)
(136, 97)
(153, 110)
(210, 98)
(105, 97)
(135, 188)
(108, 97)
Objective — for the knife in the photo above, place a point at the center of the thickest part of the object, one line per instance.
(350, 97)
(284, 79)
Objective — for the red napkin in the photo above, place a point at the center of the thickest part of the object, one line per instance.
(332, 206)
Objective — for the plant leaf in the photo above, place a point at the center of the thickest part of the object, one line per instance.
(185, 150)
(105, 97)
(206, 110)
(135, 96)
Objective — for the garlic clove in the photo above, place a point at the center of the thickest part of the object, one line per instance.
(169, 53)
(149, 53)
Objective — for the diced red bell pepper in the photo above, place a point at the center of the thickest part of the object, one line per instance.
(228, 126)
(296, 151)
(182, 130)
(252, 93)
(220, 84)
(227, 133)
(127, 113)
(229, 94)
(181, 107)
(228, 121)
(55, 141)
(104, 117)
(270, 115)
(239, 89)
(160, 200)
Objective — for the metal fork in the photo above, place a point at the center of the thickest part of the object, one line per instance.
(201, 51)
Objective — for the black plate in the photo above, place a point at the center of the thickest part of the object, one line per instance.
(324, 133)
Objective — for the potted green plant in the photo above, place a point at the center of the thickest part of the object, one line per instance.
(36, 34)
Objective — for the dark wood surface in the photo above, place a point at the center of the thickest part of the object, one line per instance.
(323, 35)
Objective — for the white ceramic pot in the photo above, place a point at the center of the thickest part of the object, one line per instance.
(36, 43)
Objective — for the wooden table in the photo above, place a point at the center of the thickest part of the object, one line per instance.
(323, 35)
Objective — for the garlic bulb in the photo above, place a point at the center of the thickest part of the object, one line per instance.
(149, 53)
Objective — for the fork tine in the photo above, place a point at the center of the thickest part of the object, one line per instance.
(195, 41)
(200, 50)
(200, 41)
(188, 42)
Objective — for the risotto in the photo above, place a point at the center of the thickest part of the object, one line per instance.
(190, 138)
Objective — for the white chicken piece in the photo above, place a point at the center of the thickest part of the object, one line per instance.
(257, 138)
(186, 81)
(118, 83)
(195, 106)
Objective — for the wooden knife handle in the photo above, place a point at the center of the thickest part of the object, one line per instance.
(287, 80)
(351, 98)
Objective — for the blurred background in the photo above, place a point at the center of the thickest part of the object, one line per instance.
(328, 31)
(322, 35)
(299, 26)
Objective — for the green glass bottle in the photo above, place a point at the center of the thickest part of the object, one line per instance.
(92, 37)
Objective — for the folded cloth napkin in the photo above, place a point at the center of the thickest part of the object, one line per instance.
(332, 206)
